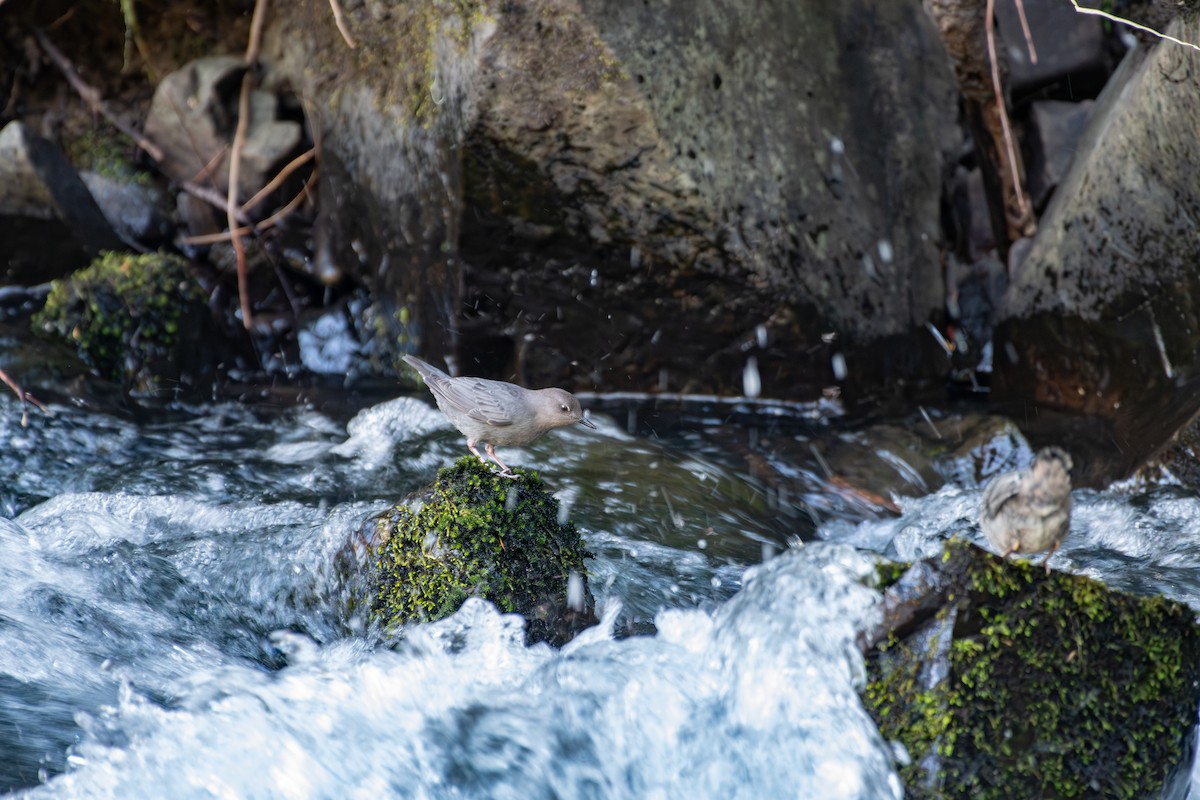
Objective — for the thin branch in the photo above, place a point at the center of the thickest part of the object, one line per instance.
(1026, 31)
(235, 155)
(92, 97)
(25, 397)
(292, 166)
(341, 23)
(266, 224)
(1100, 13)
(998, 92)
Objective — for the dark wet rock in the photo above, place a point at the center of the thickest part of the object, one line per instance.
(972, 219)
(1001, 681)
(557, 184)
(133, 209)
(141, 322)
(1052, 139)
(49, 223)
(193, 117)
(476, 534)
(1102, 319)
(1068, 45)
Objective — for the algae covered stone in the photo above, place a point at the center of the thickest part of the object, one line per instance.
(476, 534)
(137, 320)
(1020, 684)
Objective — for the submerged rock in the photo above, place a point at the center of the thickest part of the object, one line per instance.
(476, 534)
(1001, 681)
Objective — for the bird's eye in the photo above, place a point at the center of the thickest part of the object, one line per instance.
(564, 408)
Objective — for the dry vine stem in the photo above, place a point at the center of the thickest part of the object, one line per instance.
(235, 155)
(25, 397)
(1114, 18)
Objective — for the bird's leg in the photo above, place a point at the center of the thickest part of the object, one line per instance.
(1046, 560)
(504, 470)
(471, 447)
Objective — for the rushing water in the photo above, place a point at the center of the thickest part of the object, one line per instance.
(171, 626)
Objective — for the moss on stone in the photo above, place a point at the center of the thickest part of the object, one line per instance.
(128, 315)
(1056, 687)
(477, 534)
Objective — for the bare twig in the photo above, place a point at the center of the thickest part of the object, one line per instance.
(259, 227)
(92, 97)
(1018, 190)
(235, 164)
(1025, 30)
(207, 170)
(341, 23)
(291, 167)
(25, 397)
(235, 154)
(1114, 18)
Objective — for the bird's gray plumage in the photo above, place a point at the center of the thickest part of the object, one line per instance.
(1029, 511)
(498, 413)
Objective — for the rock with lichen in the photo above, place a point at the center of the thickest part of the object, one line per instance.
(474, 533)
(137, 320)
(1001, 681)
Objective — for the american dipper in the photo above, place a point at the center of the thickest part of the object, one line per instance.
(1029, 511)
(495, 412)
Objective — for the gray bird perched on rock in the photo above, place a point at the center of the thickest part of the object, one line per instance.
(495, 412)
(1029, 511)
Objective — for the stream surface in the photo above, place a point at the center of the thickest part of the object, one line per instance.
(171, 624)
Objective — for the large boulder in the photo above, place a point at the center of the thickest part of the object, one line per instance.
(638, 195)
(1102, 319)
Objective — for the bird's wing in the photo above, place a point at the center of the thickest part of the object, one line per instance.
(1002, 489)
(487, 401)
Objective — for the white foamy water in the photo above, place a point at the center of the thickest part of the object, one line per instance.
(171, 624)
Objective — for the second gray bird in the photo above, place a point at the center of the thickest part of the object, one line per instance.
(495, 412)
(1029, 511)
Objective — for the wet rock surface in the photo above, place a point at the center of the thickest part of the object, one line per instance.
(1100, 320)
(1002, 681)
(49, 223)
(612, 204)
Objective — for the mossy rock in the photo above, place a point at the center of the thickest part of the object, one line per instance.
(477, 534)
(137, 320)
(1024, 684)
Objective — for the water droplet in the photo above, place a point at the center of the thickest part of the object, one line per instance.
(838, 362)
(760, 335)
(837, 146)
(751, 380)
(884, 248)
(576, 596)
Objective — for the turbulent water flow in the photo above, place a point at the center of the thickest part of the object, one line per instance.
(170, 625)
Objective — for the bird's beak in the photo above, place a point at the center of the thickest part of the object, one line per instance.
(588, 422)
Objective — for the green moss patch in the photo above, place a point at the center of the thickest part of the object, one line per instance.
(477, 534)
(1028, 685)
(134, 318)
